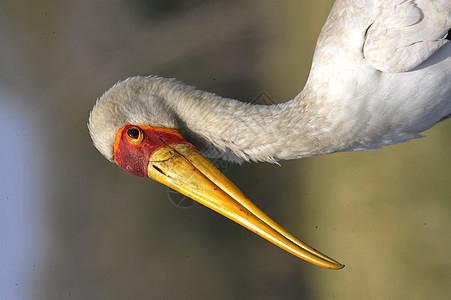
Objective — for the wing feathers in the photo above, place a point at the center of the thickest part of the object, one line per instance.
(406, 33)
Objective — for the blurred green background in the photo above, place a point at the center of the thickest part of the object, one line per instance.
(74, 226)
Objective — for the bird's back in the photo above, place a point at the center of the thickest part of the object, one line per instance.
(385, 68)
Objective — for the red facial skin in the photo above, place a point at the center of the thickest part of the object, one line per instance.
(133, 154)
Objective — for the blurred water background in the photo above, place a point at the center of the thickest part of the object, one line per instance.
(74, 226)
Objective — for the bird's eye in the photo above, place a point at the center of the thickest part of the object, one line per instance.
(135, 135)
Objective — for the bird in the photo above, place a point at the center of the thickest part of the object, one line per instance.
(380, 75)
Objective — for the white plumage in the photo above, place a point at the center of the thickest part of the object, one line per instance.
(381, 74)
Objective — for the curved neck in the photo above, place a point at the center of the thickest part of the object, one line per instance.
(238, 131)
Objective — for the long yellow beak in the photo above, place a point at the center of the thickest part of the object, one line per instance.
(184, 169)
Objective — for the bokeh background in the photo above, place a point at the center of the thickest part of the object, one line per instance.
(74, 226)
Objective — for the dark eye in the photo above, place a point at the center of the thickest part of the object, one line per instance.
(133, 133)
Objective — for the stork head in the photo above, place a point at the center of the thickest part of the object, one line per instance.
(134, 125)
(137, 100)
